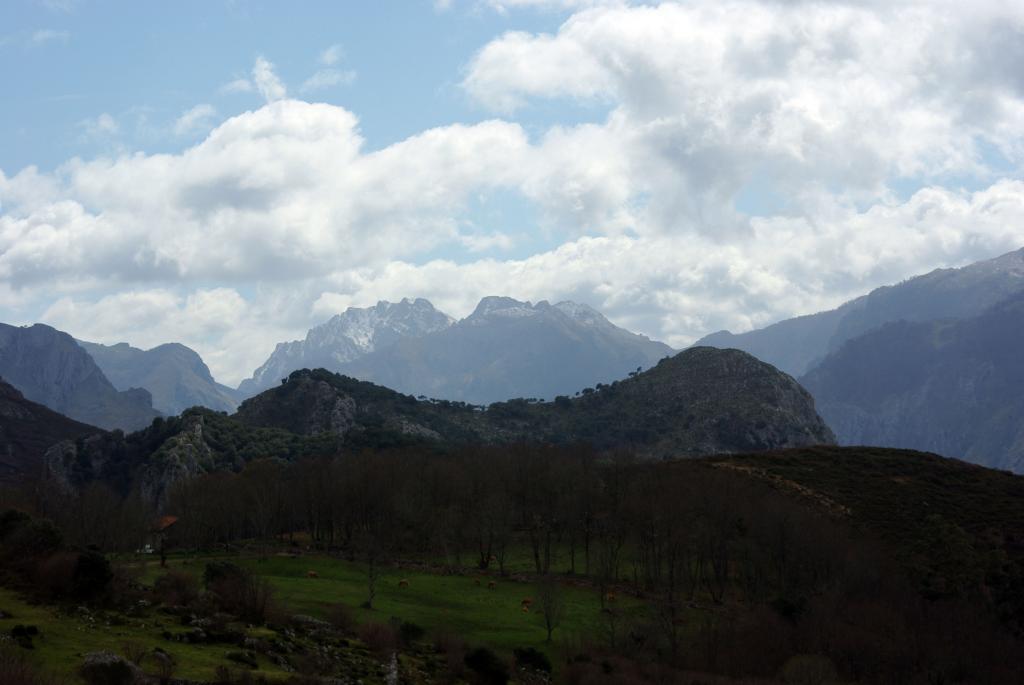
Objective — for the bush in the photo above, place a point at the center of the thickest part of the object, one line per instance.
(107, 668)
(454, 649)
(409, 632)
(55, 575)
(487, 667)
(239, 591)
(380, 638)
(92, 576)
(14, 670)
(532, 659)
(176, 588)
(341, 617)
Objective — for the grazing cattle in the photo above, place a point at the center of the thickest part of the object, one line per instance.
(403, 583)
(476, 581)
(312, 574)
(610, 597)
(526, 609)
(491, 585)
(527, 602)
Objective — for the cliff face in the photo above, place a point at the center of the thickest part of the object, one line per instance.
(50, 368)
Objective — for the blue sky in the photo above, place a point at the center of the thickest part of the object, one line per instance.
(147, 63)
(228, 174)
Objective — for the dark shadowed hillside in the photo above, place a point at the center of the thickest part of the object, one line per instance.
(702, 401)
(952, 387)
(27, 430)
(50, 368)
(957, 528)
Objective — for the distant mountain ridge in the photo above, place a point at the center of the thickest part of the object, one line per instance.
(174, 375)
(951, 386)
(347, 336)
(797, 345)
(508, 348)
(47, 366)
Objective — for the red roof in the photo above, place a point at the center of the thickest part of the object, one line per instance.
(165, 522)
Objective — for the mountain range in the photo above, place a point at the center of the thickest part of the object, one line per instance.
(931, 363)
(505, 348)
(48, 367)
(174, 375)
(950, 386)
(796, 345)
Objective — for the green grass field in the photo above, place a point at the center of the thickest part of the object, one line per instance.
(459, 605)
(437, 602)
(64, 639)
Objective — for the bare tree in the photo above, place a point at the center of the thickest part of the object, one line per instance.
(551, 599)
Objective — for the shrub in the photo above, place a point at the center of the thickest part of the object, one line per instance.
(239, 591)
(532, 659)
(409, 632)
(107, 668)
(341, 617)
(176, 588)
(454, 649)
(14, 670)
(55, 575)
(487, 667)
(135, 651)
(92, 576)
(380, 638)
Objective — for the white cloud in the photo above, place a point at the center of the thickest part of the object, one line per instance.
(283, 216)
(239, 85)
(44, 36)
(267, 82)
(196, 119)
(100, 127)
(327, 78)
(331, 55)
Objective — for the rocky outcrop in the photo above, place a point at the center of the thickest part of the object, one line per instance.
(307, 406)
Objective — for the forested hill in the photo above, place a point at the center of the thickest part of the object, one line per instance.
(702, 401)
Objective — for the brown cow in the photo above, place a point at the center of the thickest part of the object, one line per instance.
(312, 574)
(403, 583)
(491, 585)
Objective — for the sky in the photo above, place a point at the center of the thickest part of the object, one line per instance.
(229, 174)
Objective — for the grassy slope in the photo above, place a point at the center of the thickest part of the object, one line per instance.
(65, 639)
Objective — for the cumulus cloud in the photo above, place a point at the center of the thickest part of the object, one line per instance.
(830, 107)
(829, 94)
(266, 81)
(196, 119)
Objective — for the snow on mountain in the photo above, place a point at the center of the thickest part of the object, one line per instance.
(348, 336)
